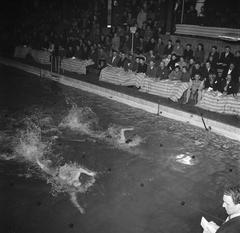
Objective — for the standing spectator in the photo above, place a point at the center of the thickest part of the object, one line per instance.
(116, 42)
(159, 49)
(141, 18)
(199, 54)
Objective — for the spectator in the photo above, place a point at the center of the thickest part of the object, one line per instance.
(159, 49)
(151, 70)
(196, 70)
(206, 69)
(195, 88)
(188, 53)
(127, 44)
(181, 62)
(199, 54)
(228, 85)
(148, 35)
(116, 42)
(136, 64)
(129, 63)
(150, 56)
(122, 59)
(141, 18)
(178, 49)
(114, 59)
(162, 71)
(150, 45)
(168, 48)
(185, 75)
(231, 70)
(176, 74)
(214, 54)
(212, 82)
(142, 66)
(226, 57)
(172, 63)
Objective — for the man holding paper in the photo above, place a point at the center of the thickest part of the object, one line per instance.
(231, 203)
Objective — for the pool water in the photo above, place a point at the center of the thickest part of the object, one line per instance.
(166, 178)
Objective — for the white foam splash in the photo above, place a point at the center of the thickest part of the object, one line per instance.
(186, 159)
(64, 178)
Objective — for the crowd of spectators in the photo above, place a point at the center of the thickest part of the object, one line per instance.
(84, 35)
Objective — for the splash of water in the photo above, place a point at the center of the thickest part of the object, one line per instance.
(81, 119)
(85, 121)
(66, 178)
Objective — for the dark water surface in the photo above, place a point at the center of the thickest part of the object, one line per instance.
(145, 188)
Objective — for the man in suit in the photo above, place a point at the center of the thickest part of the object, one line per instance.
(231, 203)
(113, 61)
(226, 57)
(142, 66)
(231, 70)
(151, 70)
(229, 86)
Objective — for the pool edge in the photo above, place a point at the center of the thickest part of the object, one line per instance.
(217, 127)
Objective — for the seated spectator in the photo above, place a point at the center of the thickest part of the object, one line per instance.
(162, 71)
(129, 63)
(141, 46)
(212, 82)
(141, 18)
(93, 54)
(185, 75)
(168, 48)
(176, 74)
(178, 49)
(206, 69)
(136, 64)
(229, 86)
(122, 59)
(188, 53)
(181, 62)
(150, 45)
(172, 62)
(195, 88)
(231, 70)
(142, 66)
(102, 56)
(85, 52)
(214, 54)
(226, 57)
(159, 49)
(69, 52)
(237, 61)
(150, 56)
(199, 53)
(196, 69)
(151, 70)
(78, 52)
(167, 59)
(148, 34)
(114, 59)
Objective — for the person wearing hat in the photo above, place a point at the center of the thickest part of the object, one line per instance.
(142, 67)
(176, 74)
(151, 69)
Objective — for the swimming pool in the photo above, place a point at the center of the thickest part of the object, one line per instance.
(172, 176)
